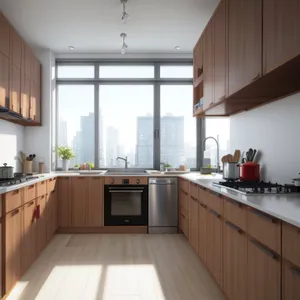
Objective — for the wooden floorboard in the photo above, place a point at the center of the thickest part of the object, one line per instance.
(117, 267)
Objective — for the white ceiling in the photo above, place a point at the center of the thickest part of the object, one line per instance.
(94, 26)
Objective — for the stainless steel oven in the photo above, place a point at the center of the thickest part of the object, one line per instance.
(126, 205)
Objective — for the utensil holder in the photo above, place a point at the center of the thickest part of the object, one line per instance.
(27, 167)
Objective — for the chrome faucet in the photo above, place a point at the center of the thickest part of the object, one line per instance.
(218, 151)
(125, 159)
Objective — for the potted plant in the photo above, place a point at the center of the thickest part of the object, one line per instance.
(66, 154)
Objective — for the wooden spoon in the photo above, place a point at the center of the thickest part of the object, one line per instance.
(224, 159)
(229, 158)
(236, 156)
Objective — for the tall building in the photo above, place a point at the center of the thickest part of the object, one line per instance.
(87, 139)
(112, 146)
(63, 133)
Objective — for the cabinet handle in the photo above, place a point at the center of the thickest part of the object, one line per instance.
(182, 215)
(216, 194)
(256, 212)
(202, 188)
(195, 199)
(265, 250)
(256, 77)
(203, 205)
(222, 98)
(31, 187)
(80, 178)
(15, 212)
(211, 104)
(38, 212)
(232, 226)
(235, 203)
(295, 271)
(215, 213)
(30, 203)
(42, 182)
(16, 192)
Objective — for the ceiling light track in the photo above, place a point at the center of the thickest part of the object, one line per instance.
(125, 16)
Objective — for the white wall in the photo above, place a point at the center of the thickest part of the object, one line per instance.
(11, 142)
(273, 129)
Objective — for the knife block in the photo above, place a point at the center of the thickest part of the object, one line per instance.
(27, 166)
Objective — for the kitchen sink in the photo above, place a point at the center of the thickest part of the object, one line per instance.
(124, 173)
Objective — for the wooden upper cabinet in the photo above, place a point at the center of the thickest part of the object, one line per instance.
(79, 202)
(4, 35)
(15, 89)
(4, 79)
(64, 202)
(27, 60)
(16, 45)
(35, 70)
(96, 205)
(244, 43)
(263, 273)
(198, 59)
(220, 52)
(25, 95)
(281, 36)
(208, 66)
(35, 102)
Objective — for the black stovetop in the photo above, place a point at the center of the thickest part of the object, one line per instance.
(16, 180)
(258, 187)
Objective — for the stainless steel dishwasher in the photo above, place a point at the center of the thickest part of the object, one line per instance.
(163, 205)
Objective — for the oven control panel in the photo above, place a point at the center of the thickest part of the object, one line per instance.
(112, 180)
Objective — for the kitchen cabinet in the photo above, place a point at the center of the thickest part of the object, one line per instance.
(198, 60)
(244, 43)
(193, 220)
(291, 243)
(4, 79)
(214, 245)
(29, 236)
(15, 89)
(4, 35)
(51, 212)
(41, 223)
(12, 200)
(220, 34)
(27, 60)
(15, 48)
(208, 66)
(35, 102)
(236, 213)
(25, 95)
(64, 202)
(263, 272)
(281, 32)
(290, 282)
(202, 220)
(12, 240)
(95, 204)
(234, 262)
(79, 202)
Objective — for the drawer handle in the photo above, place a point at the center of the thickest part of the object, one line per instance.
(30, 203)
(295, 271)
(202, 188)
(222, 98)
(31, 187)
(182, 215)
(256, 77)
(215, 213)
(232, 226)
(216, 194)
(263, 216)
(42, 182)
(53, 191)
(16, 192)
(235, 203)
(265, 250)
(195, 199)
(203, 205)
(15, 212)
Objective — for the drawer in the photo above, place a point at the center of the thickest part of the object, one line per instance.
(12, 200)
(194, 190)
(184, 200)
(291, 243)
(203, 195)
(236, 213)
(51, 184)
(290, 282)
(29, 193)
(265, 229)
(41, 188)
(184, 223)
(138, 180)
(214, 201)
(184, 184)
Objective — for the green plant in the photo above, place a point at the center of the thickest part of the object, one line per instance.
(91, 165)
(65, 152)
(168, 166)
(209, 166)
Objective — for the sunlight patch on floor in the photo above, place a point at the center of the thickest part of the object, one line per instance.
(17, 290)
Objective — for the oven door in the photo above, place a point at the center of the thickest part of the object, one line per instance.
(126, 205)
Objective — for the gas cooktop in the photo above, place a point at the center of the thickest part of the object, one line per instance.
(260, 187)
(16, 180)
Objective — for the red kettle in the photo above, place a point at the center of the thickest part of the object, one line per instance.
(250, 171)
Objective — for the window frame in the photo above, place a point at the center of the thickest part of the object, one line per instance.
(156, 82)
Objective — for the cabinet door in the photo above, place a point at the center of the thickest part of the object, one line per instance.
(208, 66)
(13, 232)
(29, 236)
(25, 95)
(202, 216)
(4, 79)
(220, 52)
(198, 59)
(27, 59)
(15, 89)
(41, 223)
(234, 262)
(263, 277)
(15, 49)
(50, 215)
(244, 43)
(281, 37)
(193, 232)
(64, 202)
(214, 245)
(4, 35)
(291, 282)
(95, 207)
(79, 203)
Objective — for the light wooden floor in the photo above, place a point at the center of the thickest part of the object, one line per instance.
(117, 267)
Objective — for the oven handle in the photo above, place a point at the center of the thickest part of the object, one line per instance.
(126, 191)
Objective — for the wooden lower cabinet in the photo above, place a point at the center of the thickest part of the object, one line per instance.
(234, 262)
(290, 282)
(263, 273)
(13, 234)
(64, 202)
(51, 214)
(193, 223)
(95, 203)
(214, 245)
(41, 223)
(202, 216)
(29, 236)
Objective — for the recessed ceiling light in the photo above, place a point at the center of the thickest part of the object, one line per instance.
(177, 47)
(71, 48)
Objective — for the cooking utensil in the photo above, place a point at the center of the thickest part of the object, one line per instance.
(230, 158)
(249, 154)
(23, 157)
(231, 171)
(6, 172)
(253, 155)
(224, 159)
(250, 171)
(236, 156)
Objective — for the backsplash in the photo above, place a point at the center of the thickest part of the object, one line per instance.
(273, 129)
(11, 142)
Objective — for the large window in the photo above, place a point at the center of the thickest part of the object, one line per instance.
(142, 111)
